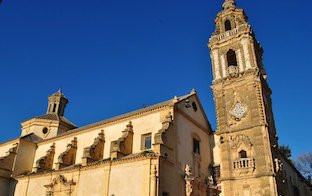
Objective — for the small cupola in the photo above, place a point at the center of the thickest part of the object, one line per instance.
(57, 103)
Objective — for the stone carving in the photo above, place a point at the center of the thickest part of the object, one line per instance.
(123, 146)
(61, 185)
(229, 4)
(196, 186)
(188, 180)
(95, 151)
(278, 165)
(240, 139)
(210, 181)
(68, 157)
(188, 170)
(46, 162)
(239, 111)
(233, 71)
(160, 136)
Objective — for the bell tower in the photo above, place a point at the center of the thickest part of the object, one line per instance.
(245, 126)
(57, 103)
(52, 123)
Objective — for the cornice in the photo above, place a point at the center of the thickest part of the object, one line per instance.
(94, 165)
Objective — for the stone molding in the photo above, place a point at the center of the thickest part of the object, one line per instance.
(96, 164)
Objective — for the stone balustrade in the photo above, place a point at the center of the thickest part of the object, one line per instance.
(244, 163)
(240, 28)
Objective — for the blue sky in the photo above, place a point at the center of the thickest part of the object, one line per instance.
(114, 56)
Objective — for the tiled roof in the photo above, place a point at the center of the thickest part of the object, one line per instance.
(167, 103)
(48, 117)
(56, 117)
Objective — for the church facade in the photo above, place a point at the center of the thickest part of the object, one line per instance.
(168, 149)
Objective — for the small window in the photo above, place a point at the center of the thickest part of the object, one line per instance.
(146, 141)
(227, 25)
(196, 146)
(231, 58)
(243, 154)
(45, 130)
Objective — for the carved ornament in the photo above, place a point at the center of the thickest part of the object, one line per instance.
(238, 140)
(46, 162)
(160, 136)
(61, 185)
(239, 111)
(68, 157)
(95, 151)
(123, 146)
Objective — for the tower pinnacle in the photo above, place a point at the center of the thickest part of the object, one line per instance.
(229, 4)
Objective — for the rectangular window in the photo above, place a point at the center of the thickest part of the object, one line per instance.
(196, 148)
(146, 141)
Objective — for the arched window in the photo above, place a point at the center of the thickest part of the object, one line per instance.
(242, 154)
(196, 146)
(231, 58)
(227, 25)
(54, 107)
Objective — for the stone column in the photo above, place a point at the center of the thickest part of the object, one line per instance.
(240, 61)
(246, 53)
(223, 66)
(153, 181)
(216, 64)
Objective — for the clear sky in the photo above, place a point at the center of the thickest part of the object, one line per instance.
(114, 56)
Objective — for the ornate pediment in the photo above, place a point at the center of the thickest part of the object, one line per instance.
(60, 185)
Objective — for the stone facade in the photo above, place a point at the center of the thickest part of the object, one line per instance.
(168, 148)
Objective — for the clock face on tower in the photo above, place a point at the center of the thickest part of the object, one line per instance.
(239, 111)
